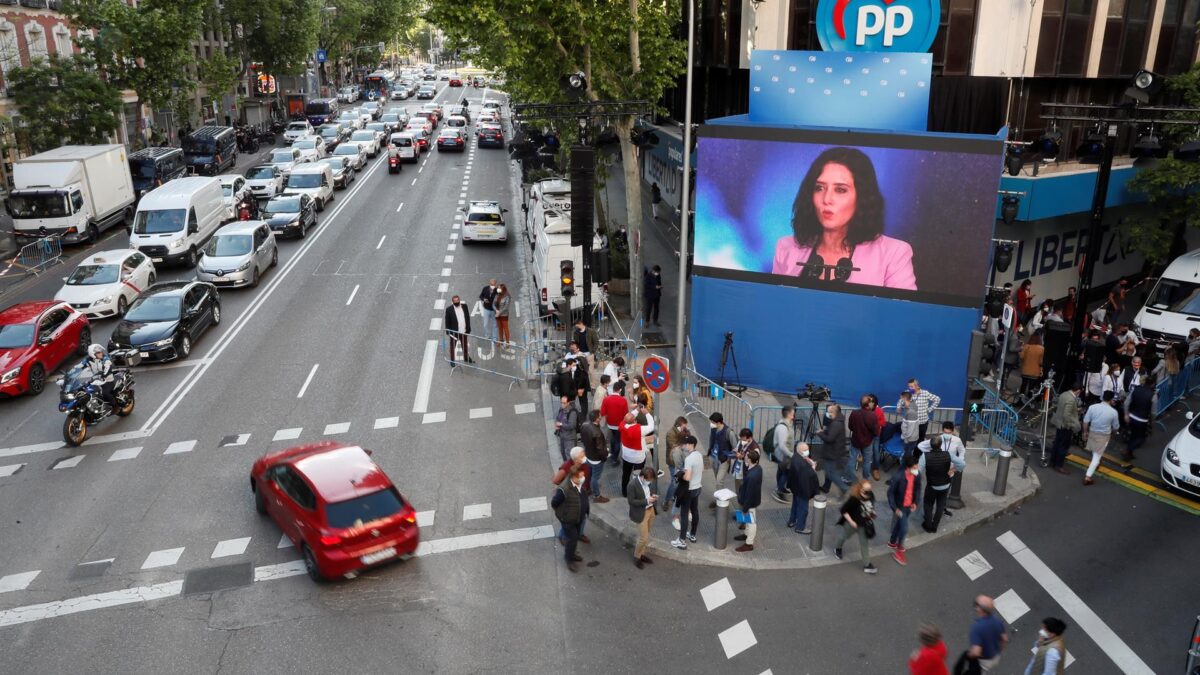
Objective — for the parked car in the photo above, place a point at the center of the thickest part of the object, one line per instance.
(238, 254)
(105, 284)
(35, 338)
(336, 506)
(167, 318)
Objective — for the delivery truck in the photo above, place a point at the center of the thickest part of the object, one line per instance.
(75, 191)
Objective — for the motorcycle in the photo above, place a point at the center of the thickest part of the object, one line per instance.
(83, 403)
(266, 136)
(394, 162)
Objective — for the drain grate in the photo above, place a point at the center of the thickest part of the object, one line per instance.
(212, 579)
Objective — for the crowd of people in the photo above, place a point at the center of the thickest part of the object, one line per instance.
(986, 643)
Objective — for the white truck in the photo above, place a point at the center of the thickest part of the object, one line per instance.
(76, 191)
(548, 228)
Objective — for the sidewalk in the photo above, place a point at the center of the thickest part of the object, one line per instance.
(778, 547)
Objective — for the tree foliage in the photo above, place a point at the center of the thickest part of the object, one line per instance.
(62, 100)
(1171, 186)
(280, 34)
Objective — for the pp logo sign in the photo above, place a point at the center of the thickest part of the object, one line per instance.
(877, 25)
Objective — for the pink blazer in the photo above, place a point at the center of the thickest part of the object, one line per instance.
(884, 262)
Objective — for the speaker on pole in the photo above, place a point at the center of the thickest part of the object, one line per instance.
(583, 171)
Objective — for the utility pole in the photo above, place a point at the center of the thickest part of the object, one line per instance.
(686, 220)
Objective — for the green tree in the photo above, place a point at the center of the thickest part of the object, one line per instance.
(219, 73)
(627, 51)
(280, 34)
(1171, 186)
(63, 100)
(144, 48)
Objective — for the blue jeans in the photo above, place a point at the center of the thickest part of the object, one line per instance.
(799, 514)
(900, 526)
(868, 457)
(835, 473)
(671, 485)
(875, 450)
(597, 469)
(614, 446)
(780, 477)
(489, 325)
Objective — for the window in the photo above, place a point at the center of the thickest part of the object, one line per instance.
(51, 322)
(361, 510)
(1126, 34)
(294, 487)
(35, 37)
(10, 53)
(77, 201)
(1065, 37)
(956, 37)
(136, 259)
(260, 237)
(62, 41)
(1177, 38)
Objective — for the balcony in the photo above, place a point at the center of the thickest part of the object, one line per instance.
(36, 4)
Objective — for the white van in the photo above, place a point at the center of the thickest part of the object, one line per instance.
(314, 180)
(175, 219)
(551, 246)
(1173, 305)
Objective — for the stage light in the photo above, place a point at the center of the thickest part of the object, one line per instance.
(1091, 149)
(1144, 85)
(1014, 158)
(1147, 151)
(1188, 152)
(1008, 210)
(1049, 144)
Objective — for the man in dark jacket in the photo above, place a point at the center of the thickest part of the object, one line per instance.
(458, 325)
(652, 292)
(864, 429)
(902, 500)
(749, 497)
(595, 446)
(939, 471)
(1139, 414)
(802, 481)
(721, 442)
(570, 504)
(833, 449)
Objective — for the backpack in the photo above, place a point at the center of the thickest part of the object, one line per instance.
(768, 444)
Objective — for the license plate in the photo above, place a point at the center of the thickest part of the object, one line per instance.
(1195, 482)
(145, 355)
(156, 259)
(383, 554)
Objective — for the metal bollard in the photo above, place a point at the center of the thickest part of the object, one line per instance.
(818, 523)
(1001, 485)
(722, 530)
(955, 501)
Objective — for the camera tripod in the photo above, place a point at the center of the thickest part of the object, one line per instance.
(727, 354)
(1045, 391)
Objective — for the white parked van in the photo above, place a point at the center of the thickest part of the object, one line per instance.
(1173, 306)
(174, 220)
(314, 180)
(551, 247)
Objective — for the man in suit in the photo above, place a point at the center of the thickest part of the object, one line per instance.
(749, 498)
(802, 481)
(458, 326)
(642, 493)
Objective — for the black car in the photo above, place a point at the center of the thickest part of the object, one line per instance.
(333, 134)
(490, 137)
(166, 319)
(291, 214)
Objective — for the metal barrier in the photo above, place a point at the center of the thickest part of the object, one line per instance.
(507, 360)
(999, 423)
(1174, 389)
(704, 397)
(35, 257)
(997, 416)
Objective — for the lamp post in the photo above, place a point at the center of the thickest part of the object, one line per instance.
(686, 196)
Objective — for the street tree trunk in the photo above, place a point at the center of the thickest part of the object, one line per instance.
(633, 210)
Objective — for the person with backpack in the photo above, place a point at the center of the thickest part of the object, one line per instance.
(803, 483)
(776, 445)
(858, 519)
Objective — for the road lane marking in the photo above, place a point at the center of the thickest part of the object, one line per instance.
(380, 244)
(307, 380)
(352, 294)
(451, 247)
(28, 449)
(533, 504)
(415, 180)
(477, 511)
(127, 453)
(399, 207)
(109, 438)
(17, 582)
(336, 428)
(287, 434)
(443, 287)
(181, 446)
(433, 418)
(425, 379)
(68, 463)
(284, 541)
(439, 304)
(1086, 619)
(234, 442)
(425, 518)
(86, 603)
(185, 385)
(524, 408)
(479, 413)
(420, 169)
(717, 593)
(1010, 606)
(230, 547)
(445, 271)
(163, 558)
(435, 323)
(448, 259)
(737, 639)
(97, 562)
(974, 565)
(387, 422)
(9, 470)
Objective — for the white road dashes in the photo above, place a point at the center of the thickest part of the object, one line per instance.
(181, 446)
(127, 453)
(230, 547)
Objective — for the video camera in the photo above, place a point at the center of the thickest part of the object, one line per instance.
(816, 393)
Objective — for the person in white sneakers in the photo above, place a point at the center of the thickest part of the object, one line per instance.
(689, 493)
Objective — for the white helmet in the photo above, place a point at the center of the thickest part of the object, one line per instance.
(96, 352)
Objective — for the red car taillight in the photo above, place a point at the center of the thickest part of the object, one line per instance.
(408, 514)
(544, 294)
(330, 539)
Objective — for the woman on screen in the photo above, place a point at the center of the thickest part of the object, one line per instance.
(837, 227)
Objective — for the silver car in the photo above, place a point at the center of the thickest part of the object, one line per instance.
(238, 254)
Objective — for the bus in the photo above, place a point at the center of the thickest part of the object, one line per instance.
(377, 85)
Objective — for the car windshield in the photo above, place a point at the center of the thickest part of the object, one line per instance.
(143, 168)
(329, 132)
(483, 218)
(261, 173)
(93, 275)
(348, 116)
(16, 335)
(306, 144)
(227, 189)
(50, 205)
(297, 126)
(335, 164)
(280, 156)
(161, 307)
(224, 245)
(390, 117)
(159, 222)
(1173, 295)
(285, 205)
(304, 180)
(363, 136)
(199, 146)
(362, 510)
(347, 150)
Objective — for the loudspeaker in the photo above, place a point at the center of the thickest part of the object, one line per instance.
(1056, 338)
(583, 171)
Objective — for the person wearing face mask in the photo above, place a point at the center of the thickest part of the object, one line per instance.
(721, 442)
(802, 481)
(833, 453)
(939, 467)
(1066, 421)
(676, 454)
(749, 498)
(570, 504)
(639, 393)
(576, 386)
(487, 298)
(457, 322)
(633, 455)
(565, 423)
(902, 500)
(858, 518)
(1050, 649)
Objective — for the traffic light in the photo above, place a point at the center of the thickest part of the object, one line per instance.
(980, 358)
(567, 275)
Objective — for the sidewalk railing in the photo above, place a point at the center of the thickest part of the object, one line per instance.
(702, 396)
(1174, 389)
(35, 257)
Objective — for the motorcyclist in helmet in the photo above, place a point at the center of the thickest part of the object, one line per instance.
(98, 367)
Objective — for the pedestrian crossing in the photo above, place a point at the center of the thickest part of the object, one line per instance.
(91, 455)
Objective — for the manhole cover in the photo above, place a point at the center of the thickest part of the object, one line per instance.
(210, 579)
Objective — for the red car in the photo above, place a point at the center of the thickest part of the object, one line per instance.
(455, 82)
(35, 337)
(336, 505)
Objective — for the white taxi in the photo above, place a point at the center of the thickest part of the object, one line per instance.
(484, 222)
(105, 284)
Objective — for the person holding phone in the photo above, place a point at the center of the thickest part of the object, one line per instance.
(642, 493)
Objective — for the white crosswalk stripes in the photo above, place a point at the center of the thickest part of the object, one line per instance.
(284, 541)
(524, 408)
(533, 504)
(477, 511)
(1010, 606)
(479, 413)
(127, 453)
(431, 418)
(163, 558)
(17, 582)
(68, 463)
(424, 518)
(974, 565)
(336, 428)
(737, 639)
(717, 593)
(181, 446)
(10, 469)
(230, 547)
(287, 434)
(387, 422)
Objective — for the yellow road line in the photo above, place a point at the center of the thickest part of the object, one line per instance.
(1161, 494)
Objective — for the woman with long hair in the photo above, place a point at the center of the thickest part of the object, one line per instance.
(501, 303)
(858, 518)
(837, 227)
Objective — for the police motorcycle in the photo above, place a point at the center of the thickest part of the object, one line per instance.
(83, 402)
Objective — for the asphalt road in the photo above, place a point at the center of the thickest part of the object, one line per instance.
(149, 557)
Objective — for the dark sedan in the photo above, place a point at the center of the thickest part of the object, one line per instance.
(166, 319)
(451, 139)
(490, 137)
(291, 214)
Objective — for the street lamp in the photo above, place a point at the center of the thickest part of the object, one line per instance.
(686, 196)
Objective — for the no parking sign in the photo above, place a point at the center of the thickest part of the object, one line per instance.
(657, 373)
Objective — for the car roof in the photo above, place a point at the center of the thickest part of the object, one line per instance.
(229, 178)
(298, 123)
(168, 193)
(309, 167)
(241, 227)
(260, 166)
(167, 288)
(485, 205)
(341, 473)
(111, 257)
(25, 312)
(154, 152)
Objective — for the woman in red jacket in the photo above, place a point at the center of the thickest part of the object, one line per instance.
(930, 657)
(881, 422)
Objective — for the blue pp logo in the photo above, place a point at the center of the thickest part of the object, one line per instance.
(877, 25)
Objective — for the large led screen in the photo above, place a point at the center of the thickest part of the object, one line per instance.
(907, 216)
